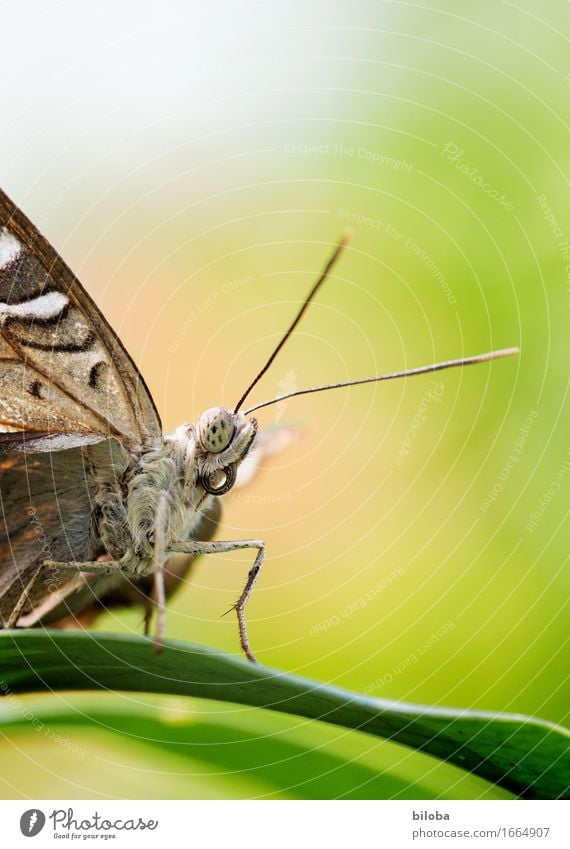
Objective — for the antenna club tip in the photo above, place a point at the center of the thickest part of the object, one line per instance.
(346, 237)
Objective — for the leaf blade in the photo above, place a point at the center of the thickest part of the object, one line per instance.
(529, 757)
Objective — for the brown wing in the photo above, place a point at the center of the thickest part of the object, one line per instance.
(62, 368)
(45, 504)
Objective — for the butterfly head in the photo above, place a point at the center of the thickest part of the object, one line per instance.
(223, 439)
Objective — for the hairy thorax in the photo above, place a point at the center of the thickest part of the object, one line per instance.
(127, 492)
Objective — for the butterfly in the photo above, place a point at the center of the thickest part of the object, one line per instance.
(98, 505)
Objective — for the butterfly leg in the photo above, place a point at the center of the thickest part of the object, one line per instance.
(159, 565)
(97, 567)
(15, 615)
(218, 547)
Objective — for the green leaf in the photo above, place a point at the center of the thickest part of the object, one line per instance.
(203, 749)
(529, 757)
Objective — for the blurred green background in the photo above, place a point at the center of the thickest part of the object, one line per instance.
(194, 164)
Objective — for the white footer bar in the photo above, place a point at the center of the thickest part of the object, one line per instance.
(286, 824)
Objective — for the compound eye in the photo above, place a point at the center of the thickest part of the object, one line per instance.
(221, 481)
(215, 429)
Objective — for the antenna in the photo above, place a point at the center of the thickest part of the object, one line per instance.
(464, 361)
(343, 242)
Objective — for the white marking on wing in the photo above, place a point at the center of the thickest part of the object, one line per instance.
(9, 248)
(45, 306)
